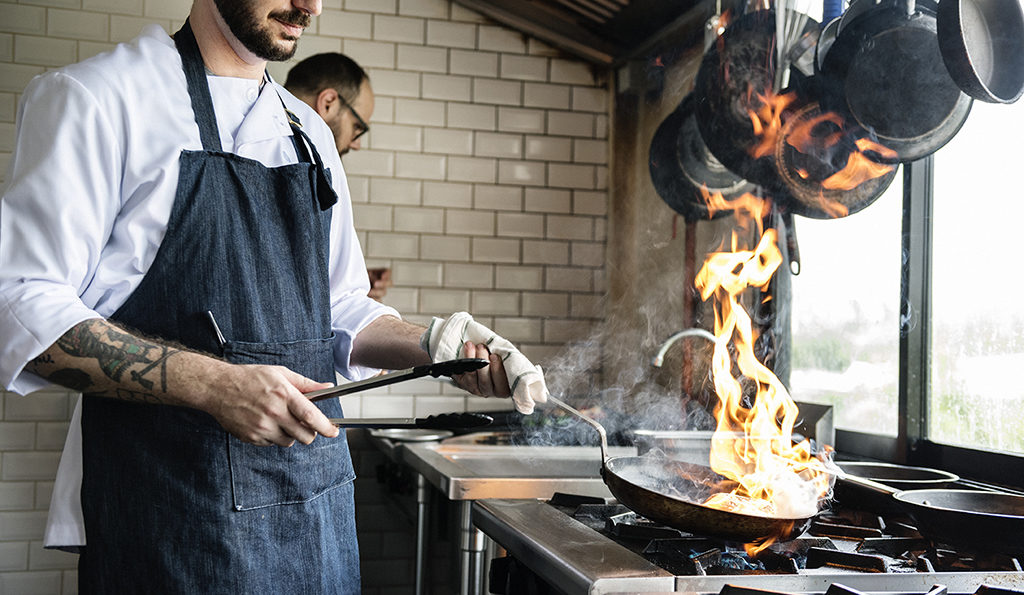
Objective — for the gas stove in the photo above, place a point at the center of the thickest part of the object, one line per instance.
(584, 545)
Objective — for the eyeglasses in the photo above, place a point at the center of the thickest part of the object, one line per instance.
(361, 126)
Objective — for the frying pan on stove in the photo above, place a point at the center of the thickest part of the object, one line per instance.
(974, 518)
(655, 488)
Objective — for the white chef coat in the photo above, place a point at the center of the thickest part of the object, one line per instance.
(89, 194)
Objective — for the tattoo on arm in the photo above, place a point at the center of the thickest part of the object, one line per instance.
(112, 352)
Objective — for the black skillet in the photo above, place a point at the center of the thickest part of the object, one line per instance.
(738, 66)
(681, 164)
(982, 44)
(984, 520)
(808, 167)
(885, 73)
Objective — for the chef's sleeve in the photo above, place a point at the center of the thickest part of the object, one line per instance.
(57, 210)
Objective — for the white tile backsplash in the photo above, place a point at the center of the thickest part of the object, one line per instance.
(526, 68)
(422, 59)
(452, 88)
(424, 112)
(497, 91)
(347, 25)
(492, 144)
(44, 51)
(399, 29)
(528, 173)
(482, 184)
(446, 140)
(548, 200)
(472, 169)
(498, 198)
(423, 8)
(77, 24)
(546, 95)
(467, 115)
(474, 63)
(420, 166)
(397, 138)
(448, 34)
(444, 194)
(512, 119)
(501, 39)
(548, 148)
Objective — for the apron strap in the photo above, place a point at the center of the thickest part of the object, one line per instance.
(198, 88)
(307, 153)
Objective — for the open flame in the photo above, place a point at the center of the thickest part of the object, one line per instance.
(752, 444)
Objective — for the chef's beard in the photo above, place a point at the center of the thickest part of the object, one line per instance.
(257, 39)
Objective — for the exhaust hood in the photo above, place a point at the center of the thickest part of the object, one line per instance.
(603, 32)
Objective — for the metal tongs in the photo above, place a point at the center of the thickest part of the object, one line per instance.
(442, 421)
(446, 368)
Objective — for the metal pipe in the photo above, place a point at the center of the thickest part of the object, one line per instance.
(659, 358)
(471, 544)
(422, 502)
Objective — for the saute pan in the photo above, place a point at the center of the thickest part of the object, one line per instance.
(984, 520)
(668, 492)
(982, 44)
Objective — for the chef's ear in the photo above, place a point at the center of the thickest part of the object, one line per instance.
(326, 100)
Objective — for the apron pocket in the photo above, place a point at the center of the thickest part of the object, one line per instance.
(270, 475)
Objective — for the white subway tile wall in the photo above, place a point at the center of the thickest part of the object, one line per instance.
(482, 184)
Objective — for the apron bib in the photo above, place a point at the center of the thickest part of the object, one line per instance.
(172, 503)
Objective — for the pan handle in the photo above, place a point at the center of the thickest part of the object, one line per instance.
(587, 420)
(866, 483)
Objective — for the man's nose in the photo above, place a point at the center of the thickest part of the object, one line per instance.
(312, 7)
(356, 144)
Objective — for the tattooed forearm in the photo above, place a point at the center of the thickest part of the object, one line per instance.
(115, 351)
(97, 357)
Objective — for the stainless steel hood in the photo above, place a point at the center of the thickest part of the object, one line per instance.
(604, 32)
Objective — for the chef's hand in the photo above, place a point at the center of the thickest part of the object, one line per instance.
(265, 405)
(490, 380)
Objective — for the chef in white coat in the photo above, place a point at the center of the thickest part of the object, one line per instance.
(176, 242)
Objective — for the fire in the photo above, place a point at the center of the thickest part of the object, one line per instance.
(753, 442)
(767, 121)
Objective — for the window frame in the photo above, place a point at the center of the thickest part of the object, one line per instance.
(912, 445)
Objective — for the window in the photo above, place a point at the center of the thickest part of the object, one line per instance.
(977, 334)
(845, 315)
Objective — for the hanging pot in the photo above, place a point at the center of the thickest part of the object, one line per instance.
(885, 73)
(739, 66)
(982, 44)
(681, 164)
(816, 155)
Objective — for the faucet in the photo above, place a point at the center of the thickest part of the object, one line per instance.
(659, 358)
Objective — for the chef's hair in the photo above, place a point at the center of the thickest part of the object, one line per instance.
(320, 71)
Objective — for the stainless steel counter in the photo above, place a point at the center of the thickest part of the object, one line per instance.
(467, 472)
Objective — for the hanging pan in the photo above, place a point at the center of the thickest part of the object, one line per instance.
(885, 73)
(982, 44)
(737, 68)
(681, 165)
(825, 173)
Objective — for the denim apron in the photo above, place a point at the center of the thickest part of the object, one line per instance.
(172, 503)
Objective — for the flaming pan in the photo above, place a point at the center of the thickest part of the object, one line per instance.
(668, 492)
